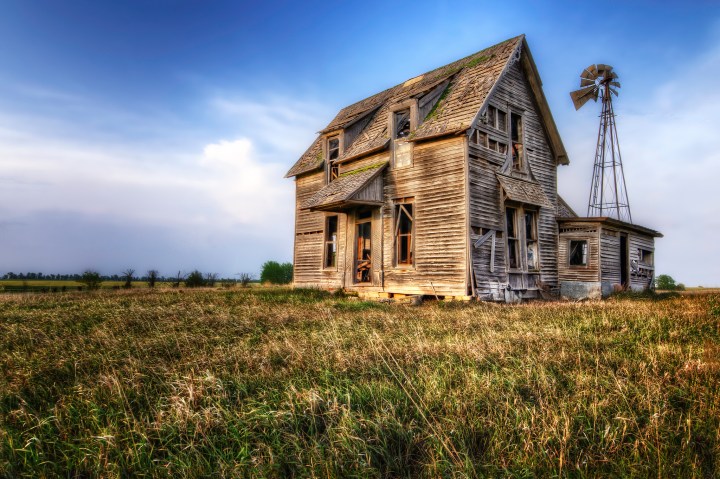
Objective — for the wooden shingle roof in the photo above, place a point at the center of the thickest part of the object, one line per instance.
(344, 188)
(469, 82)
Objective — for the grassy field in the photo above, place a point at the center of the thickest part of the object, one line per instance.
(280, 383)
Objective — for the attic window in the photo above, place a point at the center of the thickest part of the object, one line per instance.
(516, 137)
(402, 149)
(496, 118)
(481, 138)
(333, 152)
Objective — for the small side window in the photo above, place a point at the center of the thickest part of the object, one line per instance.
(402, 149)
(404, 241)
(578, 253)
(331, 228)
(646, 257)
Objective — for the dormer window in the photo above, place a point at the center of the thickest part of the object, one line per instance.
(333, 152)
(402, 124)
(402, 149)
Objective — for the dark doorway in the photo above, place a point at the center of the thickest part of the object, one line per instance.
(624, 265)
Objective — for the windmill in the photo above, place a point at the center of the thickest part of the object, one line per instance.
(608, 194)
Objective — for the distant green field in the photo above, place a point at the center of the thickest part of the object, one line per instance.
(41, 284)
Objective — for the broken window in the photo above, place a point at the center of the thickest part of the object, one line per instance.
(516, 138)
(481, 138)
(401, 129)
(331, 243)
(496, 118)
(512, 238)
(531, 239)
(578, 252)
(402, 124)
(645, 257)
(404, 240)
(333, 152)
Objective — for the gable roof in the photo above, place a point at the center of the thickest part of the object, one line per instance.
(469, 82)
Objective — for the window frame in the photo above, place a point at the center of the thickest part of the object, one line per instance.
(331, 242)
(400, 207)
(532, 238)
(515, 238)
(402, 143)
(570, 241)
(519, 161)
(332, 167)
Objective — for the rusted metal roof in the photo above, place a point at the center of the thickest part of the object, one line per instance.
(523, 191)
(342, 191)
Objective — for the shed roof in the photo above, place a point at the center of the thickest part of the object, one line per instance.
(344, 188)
(470, 81)
(605, 220)
(523, 191)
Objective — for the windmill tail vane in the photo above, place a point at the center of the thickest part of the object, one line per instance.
(608, 193)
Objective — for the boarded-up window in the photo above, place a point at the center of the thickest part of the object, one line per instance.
(333, 152)
(578, 253)
(404, 238)
(512, 238)
(331, 243)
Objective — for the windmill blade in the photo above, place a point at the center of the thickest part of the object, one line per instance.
(582, 96)
(614, 92)
(604, 69)
(587, 74)
(616, 84)
(584, 82)
(593, 69)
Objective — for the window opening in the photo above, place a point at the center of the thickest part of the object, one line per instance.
(531, 240)
(578, 252)
(516, 138)
(404, 240)
(331, 228)
(363, 248)
(333, 152)
(646, 257)
(512, 237)
(496, 118)
(402, 124)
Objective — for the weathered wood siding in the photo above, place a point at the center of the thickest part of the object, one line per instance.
(641, 276)
(310, 238)
(610, 256)
(435, 181)
(579, 231)
(486, 209)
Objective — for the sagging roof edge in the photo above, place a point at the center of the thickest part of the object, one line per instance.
(612, 222)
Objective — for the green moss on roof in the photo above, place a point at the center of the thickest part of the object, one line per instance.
(436, 107)
(364, 168)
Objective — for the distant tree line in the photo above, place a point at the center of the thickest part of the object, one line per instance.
(272, 272)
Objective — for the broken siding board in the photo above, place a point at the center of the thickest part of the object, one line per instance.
(641, 276)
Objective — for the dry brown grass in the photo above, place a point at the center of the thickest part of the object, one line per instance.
(275, 383)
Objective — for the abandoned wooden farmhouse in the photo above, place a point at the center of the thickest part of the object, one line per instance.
(446, 185)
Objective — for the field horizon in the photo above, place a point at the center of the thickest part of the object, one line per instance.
(274, 382)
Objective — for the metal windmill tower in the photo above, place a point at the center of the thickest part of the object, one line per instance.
(608, 193)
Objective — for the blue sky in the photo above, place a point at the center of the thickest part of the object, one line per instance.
(155, 134)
